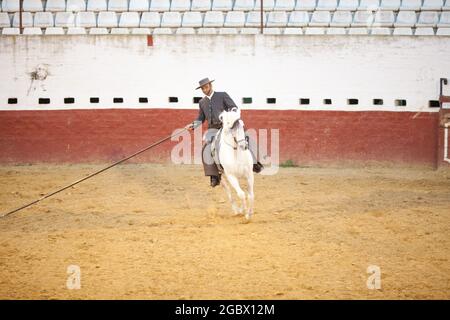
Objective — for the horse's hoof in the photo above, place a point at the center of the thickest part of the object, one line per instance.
(248, 216)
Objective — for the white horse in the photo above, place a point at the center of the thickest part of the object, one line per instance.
(236, 160)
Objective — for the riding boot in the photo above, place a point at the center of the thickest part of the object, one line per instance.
(215, 180)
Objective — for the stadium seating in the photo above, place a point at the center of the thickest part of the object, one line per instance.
(201, 5)
(180, 5)
(118, 5)
(138, 5)
(235, 19)
(341, 19)
(281, 17)
(55, 6)
(129, 20)
(214, 19)
(150, 20)
(76, 5)
(192, 19)
(86, 19)
(43, 19)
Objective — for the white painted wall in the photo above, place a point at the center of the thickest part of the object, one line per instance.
(283, 67)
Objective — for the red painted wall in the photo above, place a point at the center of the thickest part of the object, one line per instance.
(306, 137)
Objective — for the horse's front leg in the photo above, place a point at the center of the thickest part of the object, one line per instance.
(241, 194)
(251, 196)
(234, 206)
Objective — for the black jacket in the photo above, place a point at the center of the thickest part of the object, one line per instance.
(210, 110)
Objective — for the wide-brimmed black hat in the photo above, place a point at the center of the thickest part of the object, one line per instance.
(203, 82)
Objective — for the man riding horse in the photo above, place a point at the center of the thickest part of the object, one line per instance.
(210, 107)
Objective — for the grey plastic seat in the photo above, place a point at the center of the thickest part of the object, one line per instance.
(293, 31)
(228, 31)
(444, 21)
(446, 6)
(163, 31)
(380, 31)
(76, 5)
(425, 31)
(120, 30)
(369, 5)
(129, 19)
(432, 5)
(207, 31)
(341, 19)
(272, 31)
(171, 19)
(10, 31)
(235, 19)
(150, 20)
(406, 19)
(411, 5)
(5, 21)
(107, 19)
(185, 30)
(32, 5)
(254, 19)
(76, 31)
(268, 5)
(201, 5)
(145, 31)
(55, 6)
(336, 31)
(277, 19)
(284, 5)
(98, 31)
(402, 31)
(85, 19)
(249, 31)
(27, 19)
(222, 5)
(139, 5)
(298, 19)
(307, 5)
(43, 19)
(214, 19)
(328, 5)
(348, 5)
(180, 5)
(159, 5)
(97, 5)
(243, 5)
(314, 30)
(384, 19)
(428, 19)
(362, 19)
(64, 19)
(54, 31)
(10, 6)
(32, 31)
(443, 32)
(192, 19)
(320, 19)
(118, 5)
(358, 31)
(393, 5)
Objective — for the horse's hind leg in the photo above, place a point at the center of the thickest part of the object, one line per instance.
(241, 194)
(251, 196)
(234, 206)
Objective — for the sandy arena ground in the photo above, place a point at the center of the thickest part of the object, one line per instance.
(152, 231)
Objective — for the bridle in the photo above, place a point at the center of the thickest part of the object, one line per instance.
(236, 122)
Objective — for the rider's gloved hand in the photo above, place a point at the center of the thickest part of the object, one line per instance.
(193, 125)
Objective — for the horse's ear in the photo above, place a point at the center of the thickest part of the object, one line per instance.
(221, 117)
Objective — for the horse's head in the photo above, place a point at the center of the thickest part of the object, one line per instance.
(233, 125)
